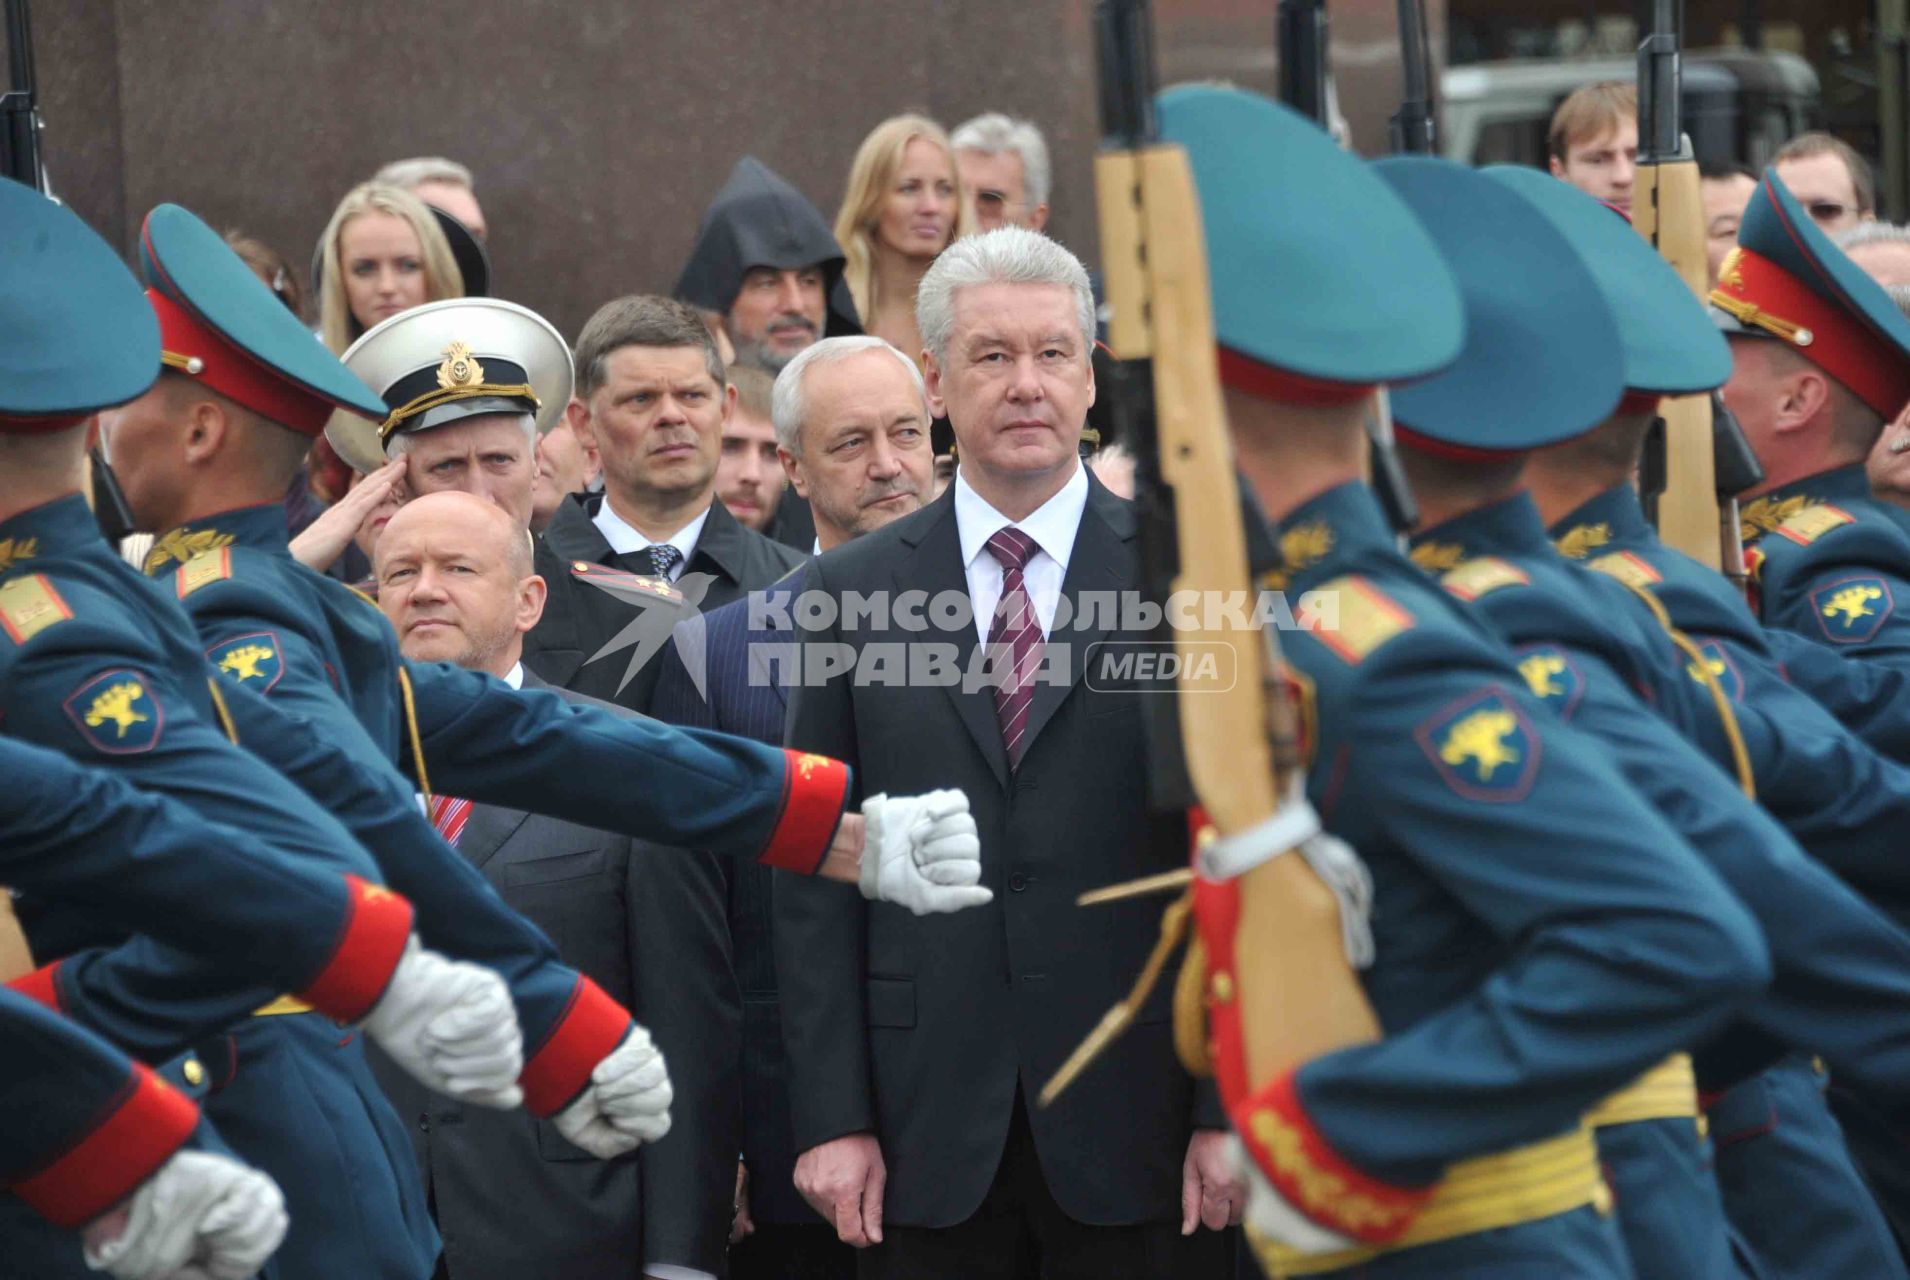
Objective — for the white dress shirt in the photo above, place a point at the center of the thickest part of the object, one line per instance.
(515, 676)
(1052, 525)
(624, 539)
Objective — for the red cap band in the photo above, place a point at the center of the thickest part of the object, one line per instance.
(11, 426)
(1829, 336)
(1243, 373)
(1457, 452)
(232, 372)
(1634, 403)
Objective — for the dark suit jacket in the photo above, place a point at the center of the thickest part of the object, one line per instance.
(514, 1199)
(743, 694)
(923, 1029)
(736, 559)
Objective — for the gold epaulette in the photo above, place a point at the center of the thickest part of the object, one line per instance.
(1669, 1091)
(29, 605)
(1368, 618)
(207, 566)
(1813, 522)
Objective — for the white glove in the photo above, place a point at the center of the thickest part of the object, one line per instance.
(452, 1027)
(200, 1217)
(626, 1104)
(1271, 1216)
(921, 852)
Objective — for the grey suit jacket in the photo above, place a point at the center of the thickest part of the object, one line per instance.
(513, 1198)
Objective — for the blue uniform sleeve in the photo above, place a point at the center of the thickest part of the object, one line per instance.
(692, 788)
(88, 839)
(1621, 946)
(85, 1126)
(568, 1022)
(1839, 582)
(1841, 970)
(1871, 699)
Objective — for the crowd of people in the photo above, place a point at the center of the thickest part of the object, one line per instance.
(615, 805)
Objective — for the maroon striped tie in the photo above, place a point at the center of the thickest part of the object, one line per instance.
(448, 815)
(1014, 640)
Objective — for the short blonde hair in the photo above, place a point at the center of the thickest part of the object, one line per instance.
(442, 279)
(870, 177)
(1589, 111)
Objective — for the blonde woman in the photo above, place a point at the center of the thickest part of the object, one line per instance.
(383, 252)
(904, 206)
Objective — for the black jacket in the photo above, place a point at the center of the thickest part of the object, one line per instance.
(759, 220)
(923, 1030)
(513, 1198)
(735, 559)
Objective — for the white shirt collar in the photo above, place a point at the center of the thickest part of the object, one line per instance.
(515, 676)
(624, 539)
(1052, 525)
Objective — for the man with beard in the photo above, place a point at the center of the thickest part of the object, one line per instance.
(852, 431)
(749, 479)
(652, 398)
(766, 261)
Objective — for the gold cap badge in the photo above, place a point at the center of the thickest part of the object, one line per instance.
(460, 368)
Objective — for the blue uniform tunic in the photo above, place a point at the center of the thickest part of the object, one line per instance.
(1542, 937)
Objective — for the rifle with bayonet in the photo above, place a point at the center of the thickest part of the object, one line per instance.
(23, 160)
(1235, 754)
(1698, 458)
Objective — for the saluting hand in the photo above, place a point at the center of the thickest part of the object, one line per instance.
(843, 1180)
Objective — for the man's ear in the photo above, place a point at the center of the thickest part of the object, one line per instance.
(1038, 217)
(531, 594)
(729, 402)
(1802, 397)
(1557, 166)
(577, 414)
(932, 383)
(207, 426)
(792, 468)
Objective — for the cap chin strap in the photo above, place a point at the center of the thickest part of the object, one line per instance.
(449, 395)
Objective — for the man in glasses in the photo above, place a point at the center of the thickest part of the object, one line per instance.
(1829, 178)
(1004, 164)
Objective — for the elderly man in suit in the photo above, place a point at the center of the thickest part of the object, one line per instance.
(852, 433)
(511, 1196)
(913, 1055)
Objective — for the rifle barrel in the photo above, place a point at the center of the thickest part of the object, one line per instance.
(1124, 40)
(1660, 82)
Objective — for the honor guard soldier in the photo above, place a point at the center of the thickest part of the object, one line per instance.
(99, 667)
(205, 456)
(1601, 660)
(1822, 361)
(1510, 863)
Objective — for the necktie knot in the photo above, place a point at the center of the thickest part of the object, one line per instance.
(1012, 548)
(663, 558)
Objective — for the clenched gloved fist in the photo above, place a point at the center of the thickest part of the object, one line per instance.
(1271, 1216)
(451, 1026)
(922, 852)
(627, 1102)
(199, 1217)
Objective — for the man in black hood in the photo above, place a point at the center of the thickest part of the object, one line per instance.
(766, 261)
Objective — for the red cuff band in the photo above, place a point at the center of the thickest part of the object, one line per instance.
(149, 1121)
(1303, 1167)
(232, 372)
(377, 926)
(815, 789)
(1841, 343)
(41, 986)
(591, 1026)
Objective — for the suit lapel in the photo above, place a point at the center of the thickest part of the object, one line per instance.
(487, 830)
(1102, 561)
(933, 563)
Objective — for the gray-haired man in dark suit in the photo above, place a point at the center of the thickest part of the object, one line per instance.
(852, 432)
(512, 1197)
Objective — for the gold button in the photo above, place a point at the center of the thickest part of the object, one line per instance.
(1602, 1198)
(1223, 987)
(194, 1073)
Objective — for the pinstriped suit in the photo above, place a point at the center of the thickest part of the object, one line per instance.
(743, 694)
